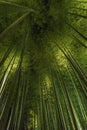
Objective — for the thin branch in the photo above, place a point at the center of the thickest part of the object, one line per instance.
(16, 22)
(79, 15)
(84, 37)
(13, 4)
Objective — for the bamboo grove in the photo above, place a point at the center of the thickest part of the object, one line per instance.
(43, 64)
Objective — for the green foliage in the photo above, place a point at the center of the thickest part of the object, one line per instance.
(43, 65)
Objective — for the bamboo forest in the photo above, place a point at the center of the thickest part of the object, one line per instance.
(43, 64)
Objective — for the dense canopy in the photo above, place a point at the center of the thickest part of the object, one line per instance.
(43, 64)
